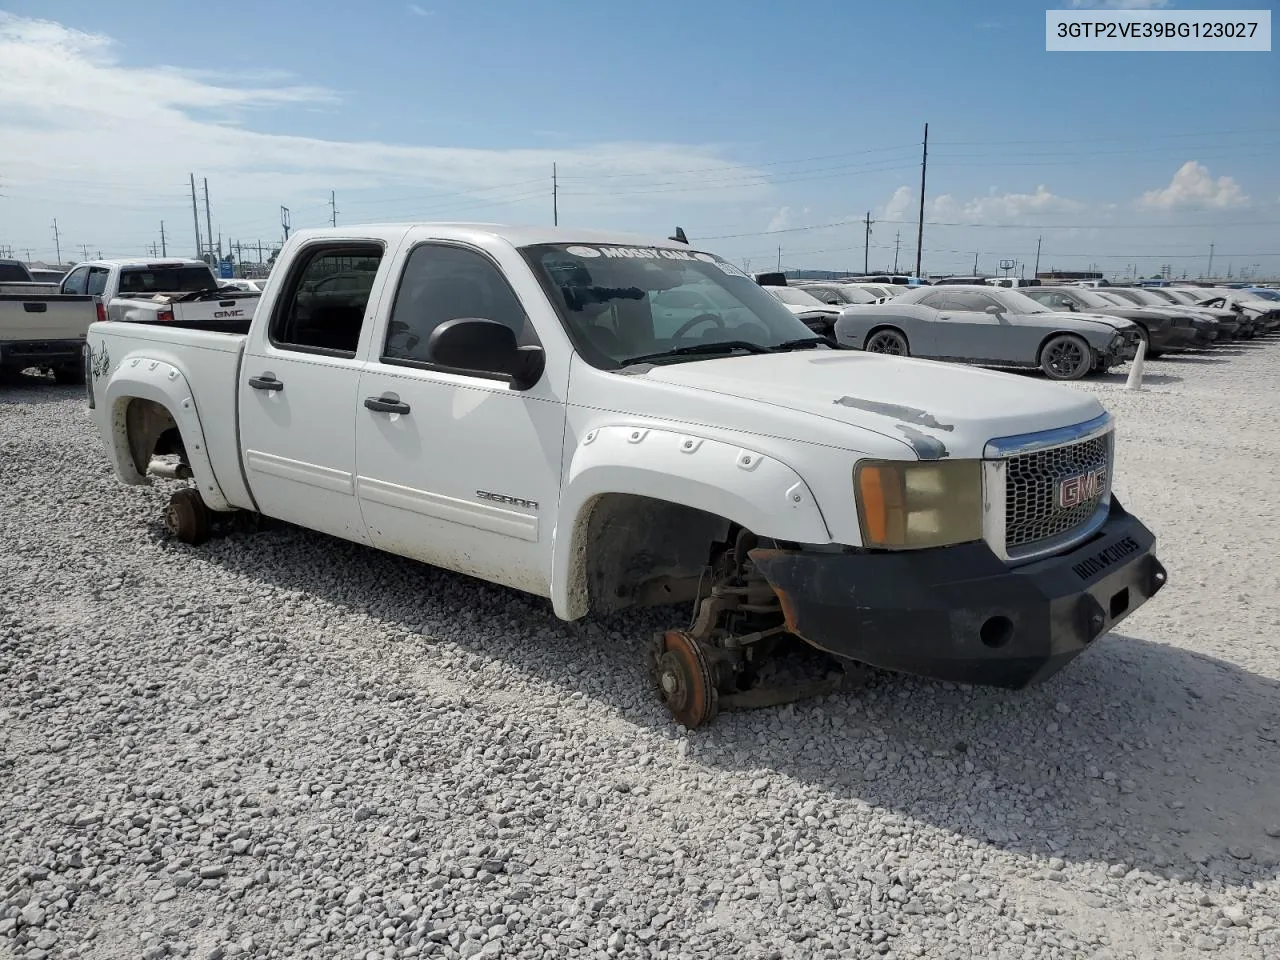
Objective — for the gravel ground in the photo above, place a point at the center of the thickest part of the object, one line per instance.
(282, 745)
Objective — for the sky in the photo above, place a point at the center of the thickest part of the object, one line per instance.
(768, 136)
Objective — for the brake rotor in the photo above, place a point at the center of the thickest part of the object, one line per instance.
(685, 681)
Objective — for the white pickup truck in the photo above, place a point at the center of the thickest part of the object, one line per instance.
(513, 404)
(169, 290)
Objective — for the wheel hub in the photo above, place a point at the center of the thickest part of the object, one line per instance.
(685, 679)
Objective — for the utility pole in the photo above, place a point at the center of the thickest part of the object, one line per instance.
(284, 221)
(866, 248)
(333, 210)
(164, 250)
(897, 242)
(259, 251)
(924, 165)
(195, 216)
(779, 258)
(555, 196)
(975, 264)
(1209, 275)
(153, 248)
(84, 249)
(57, 242)
(208, 219)
(1038, 239)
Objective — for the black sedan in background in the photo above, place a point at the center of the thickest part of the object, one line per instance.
(1163, 329)
(1226, 325)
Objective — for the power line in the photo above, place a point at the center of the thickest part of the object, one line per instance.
(1211, 134)
(765, 163)
(1002, 226)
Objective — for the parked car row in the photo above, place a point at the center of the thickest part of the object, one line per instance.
(43, 326)
(1067, 331)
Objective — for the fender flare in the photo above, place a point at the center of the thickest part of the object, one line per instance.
(755, 490)
(144, 378)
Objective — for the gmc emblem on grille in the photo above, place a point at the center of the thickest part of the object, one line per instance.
(1081, 488)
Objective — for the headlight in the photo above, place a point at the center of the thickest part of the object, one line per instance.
(909, 505)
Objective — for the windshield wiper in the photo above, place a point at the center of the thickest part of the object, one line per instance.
(693, 349)
(802, 344)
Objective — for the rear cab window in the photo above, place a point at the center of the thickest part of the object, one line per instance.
(325, 299)
(148, 279)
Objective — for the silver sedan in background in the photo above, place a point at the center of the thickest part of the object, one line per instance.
(989, 326)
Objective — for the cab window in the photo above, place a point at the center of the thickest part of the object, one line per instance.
(327, 295)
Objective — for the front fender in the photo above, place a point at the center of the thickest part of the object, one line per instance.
(758, 492)
(143, 378)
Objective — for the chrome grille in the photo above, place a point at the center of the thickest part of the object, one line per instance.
(1032, 511)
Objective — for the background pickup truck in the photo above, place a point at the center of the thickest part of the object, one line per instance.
(16, 278)
(518, 404)
(166, 290)
(45, 331)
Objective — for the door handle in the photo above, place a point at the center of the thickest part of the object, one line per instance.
(382, 405)
(265, 383)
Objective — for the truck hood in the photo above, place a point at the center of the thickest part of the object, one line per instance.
(938, 409)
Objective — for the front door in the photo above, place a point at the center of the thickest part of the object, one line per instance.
(965, 331)
(456, 468)
(298, 391)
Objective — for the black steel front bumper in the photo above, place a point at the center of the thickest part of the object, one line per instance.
(962, 614)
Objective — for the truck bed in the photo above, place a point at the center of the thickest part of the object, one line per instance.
(208, 357)
(238, 325)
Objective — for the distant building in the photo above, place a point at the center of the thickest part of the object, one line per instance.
(1067, 276)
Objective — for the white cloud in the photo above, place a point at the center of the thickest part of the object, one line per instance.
(1005, 207)
(994, 207)
(418, 11)
(901, 206)
(781, 220)
(1193, 188)
(83, 132)
(1120, 4)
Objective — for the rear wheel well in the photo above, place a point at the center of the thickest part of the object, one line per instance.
(151, 431)
(632, 551)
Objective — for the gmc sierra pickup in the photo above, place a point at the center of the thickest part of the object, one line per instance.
(166, 290)
(517, 404)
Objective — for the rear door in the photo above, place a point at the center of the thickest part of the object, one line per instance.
(298, 390)
(457, 468)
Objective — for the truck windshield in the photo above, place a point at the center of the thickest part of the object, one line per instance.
(178, 278)
(620, 302)
(14, 273)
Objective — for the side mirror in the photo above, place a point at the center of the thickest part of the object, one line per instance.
(485, 346)
(994, 311)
